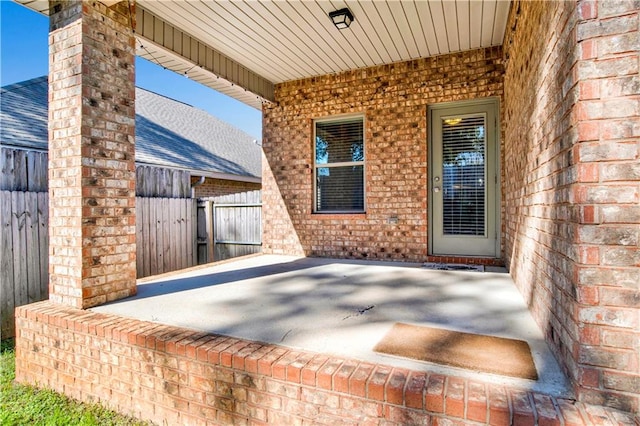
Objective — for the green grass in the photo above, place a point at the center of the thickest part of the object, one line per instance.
(26, 405)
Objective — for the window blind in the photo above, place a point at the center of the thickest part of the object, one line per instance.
(464, 176)
(339, 166)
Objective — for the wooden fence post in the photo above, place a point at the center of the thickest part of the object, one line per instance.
(194, 231)
(209, 224)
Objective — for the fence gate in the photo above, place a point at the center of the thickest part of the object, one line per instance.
(229, 226)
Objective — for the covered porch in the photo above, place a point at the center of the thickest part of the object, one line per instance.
(288, 340)
(560, 209)
(344, 308)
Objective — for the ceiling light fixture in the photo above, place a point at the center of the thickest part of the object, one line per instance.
(341, 18)
(452, 121)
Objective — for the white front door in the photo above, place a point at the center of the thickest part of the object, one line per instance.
(463, 179)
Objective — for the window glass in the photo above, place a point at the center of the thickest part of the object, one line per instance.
(339, 166)
(464, 175)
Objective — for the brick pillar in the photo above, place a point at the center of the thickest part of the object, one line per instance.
(607, 192)
(92, 247)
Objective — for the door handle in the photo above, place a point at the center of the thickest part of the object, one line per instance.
(436, 189)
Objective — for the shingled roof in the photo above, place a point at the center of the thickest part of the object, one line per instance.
(169, 133)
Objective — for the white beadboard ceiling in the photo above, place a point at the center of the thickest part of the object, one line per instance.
(289, 40)
(282, 40)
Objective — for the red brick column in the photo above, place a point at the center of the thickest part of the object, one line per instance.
(92, 250)
(607, 194)
(572, 186)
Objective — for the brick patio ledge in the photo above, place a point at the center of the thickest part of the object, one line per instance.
(175, 375)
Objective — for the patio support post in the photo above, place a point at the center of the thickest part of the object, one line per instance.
(92, 250)
(606, 195)
(572, 186)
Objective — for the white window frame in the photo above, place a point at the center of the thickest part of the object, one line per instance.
(362, 163)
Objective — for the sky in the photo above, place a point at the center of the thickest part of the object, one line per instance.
(24, 55)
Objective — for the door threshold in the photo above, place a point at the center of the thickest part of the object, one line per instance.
(465, 260)
(452, 267)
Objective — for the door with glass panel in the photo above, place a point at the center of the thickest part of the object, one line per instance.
(463, 179)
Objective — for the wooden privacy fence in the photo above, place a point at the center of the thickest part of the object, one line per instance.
(169, 238)
(165, 242)
(23, 170)
(24, 253)
(26, 170)
(229, 226)
(165, 234)
(160, 182)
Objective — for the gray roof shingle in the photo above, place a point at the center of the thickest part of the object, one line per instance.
(168, 132)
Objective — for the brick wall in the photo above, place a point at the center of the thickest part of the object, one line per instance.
(571, 189)
(214, 187)
(393, 99)
(91, 154)
(172, 375)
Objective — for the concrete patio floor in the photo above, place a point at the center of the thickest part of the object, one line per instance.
(344, 307)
